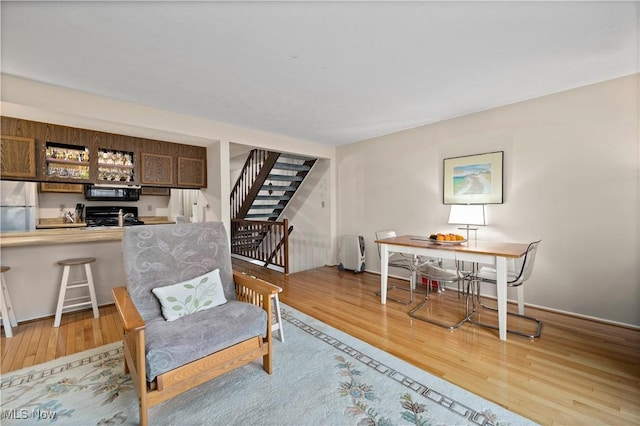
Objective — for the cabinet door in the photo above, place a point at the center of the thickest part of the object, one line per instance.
(156, 169)
(77, 188)
(18, 157)
(192, 172)
(115, 166)
(153, 190)
(67, 162)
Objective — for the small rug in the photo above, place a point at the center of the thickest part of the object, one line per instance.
(321, 377)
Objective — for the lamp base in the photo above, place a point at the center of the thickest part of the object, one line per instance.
(468, 228)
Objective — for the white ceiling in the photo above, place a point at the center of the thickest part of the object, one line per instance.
(329, 72)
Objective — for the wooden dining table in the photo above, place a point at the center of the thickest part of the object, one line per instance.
(486, 252)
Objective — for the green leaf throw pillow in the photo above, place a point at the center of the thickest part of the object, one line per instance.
(187, 297)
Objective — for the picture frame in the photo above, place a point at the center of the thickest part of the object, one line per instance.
(474, 179)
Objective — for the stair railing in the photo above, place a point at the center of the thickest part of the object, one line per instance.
(252, 176)
(265, 241)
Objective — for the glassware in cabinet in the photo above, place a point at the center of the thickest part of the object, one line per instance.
(115, 166)
(67, 161)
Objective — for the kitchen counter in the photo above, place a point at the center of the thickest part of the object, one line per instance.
(34, 278)
(35, 275)
(156, 220)
(59, 224)
(60, 236)
(71, 234)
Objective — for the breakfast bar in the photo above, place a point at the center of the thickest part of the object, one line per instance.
(70, 233)
(34, 277)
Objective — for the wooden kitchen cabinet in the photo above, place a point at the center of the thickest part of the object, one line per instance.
(77, 188)
(173, 165)
(155, 190)
(18, 157)
(65, 161)
(192, 166)
(115, 166)
(156, 169)
(192, 172)
(49, 152)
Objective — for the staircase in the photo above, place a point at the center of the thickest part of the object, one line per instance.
(267, 182)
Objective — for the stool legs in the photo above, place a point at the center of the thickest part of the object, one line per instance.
(76, 284)
(61, 295)
(6, 307)
(8, 303)
(5, 317)
(277, 326)
(92, 291)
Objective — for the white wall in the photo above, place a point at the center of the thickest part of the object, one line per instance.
(571, 177)
(309, 211)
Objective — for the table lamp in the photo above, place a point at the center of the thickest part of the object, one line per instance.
(467, 214)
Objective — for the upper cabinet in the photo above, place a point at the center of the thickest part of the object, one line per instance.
(17, 157)
(69, 162)
(173, 165)
(51, 153)
(115, 166)
(157, 169)
(191, 166)
(191, 172)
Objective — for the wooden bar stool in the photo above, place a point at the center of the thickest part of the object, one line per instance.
(277, 325)
(6, 307)
(65, 284)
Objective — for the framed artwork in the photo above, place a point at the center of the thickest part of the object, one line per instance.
(473, 179)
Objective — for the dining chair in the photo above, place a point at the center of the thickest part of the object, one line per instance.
(432, 272)
(401, 261)
(516, 277)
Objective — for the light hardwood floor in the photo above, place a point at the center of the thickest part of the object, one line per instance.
(34, 342)
(579, 372)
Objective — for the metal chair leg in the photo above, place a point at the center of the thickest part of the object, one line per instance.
(410, 289)
(413, 313)
(476, 297)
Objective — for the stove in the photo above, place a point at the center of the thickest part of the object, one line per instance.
(108, 216)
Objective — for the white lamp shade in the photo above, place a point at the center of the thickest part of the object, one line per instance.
(467, 214)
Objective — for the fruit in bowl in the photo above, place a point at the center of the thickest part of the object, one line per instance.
(446, 237)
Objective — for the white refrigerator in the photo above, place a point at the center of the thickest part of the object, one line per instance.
(18, 204)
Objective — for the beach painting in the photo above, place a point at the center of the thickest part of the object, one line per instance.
(472, 179)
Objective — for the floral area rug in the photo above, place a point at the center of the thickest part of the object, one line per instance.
(321, 377)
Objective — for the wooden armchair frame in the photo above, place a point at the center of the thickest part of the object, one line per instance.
(166, 386)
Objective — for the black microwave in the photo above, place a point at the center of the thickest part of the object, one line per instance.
(111, 193)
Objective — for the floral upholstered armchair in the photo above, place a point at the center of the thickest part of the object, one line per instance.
(187, 317)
